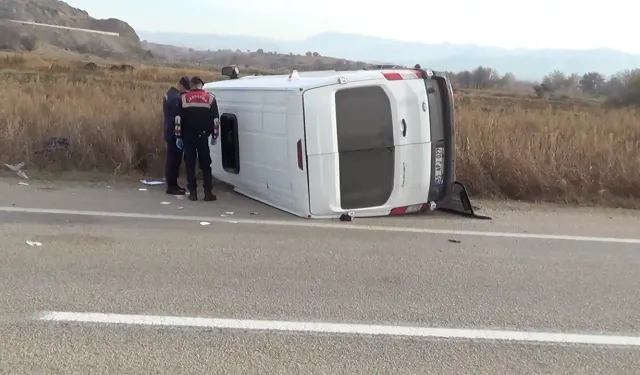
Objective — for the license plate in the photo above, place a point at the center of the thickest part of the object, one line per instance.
(439, 166)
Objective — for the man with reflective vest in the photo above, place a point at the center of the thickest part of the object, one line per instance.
(170, 105)
(197, 120)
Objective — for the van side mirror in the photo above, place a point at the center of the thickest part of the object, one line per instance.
(231, 71)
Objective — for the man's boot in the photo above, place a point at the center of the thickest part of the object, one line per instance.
(209, 196)
(193, 195)
(175, 189)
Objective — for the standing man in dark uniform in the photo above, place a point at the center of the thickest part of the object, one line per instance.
(197, 120)
(171, 106)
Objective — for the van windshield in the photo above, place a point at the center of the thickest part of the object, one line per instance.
(437, 127)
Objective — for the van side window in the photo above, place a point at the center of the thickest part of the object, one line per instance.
(229, 143)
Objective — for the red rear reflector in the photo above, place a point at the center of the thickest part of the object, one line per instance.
(399, 76)
(409, 209)
(299, 147)
(398, 211)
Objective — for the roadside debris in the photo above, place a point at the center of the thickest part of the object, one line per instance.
(165, 203)
(23, 183)
(34, 243)
(205, 223)
(142, 189)
(56, 144)
(180, 208)
(152, 182)
(18, 169)
(229, 213)
(254, 213)
(455, 241)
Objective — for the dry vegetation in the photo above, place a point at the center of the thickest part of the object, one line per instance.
(508, 145)
(269, 61)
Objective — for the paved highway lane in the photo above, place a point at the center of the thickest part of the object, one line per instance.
(239, 271)
(122, 197)
(288, 274)
(83, 349)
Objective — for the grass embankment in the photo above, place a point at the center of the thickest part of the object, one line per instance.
(508, 146)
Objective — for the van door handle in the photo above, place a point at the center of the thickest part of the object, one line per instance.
(404, 128)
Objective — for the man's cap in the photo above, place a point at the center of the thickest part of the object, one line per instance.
(184, 82)
(195, 80)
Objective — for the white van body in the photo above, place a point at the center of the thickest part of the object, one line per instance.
(329, 143)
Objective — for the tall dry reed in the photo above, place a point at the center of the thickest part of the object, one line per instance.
(513, 148)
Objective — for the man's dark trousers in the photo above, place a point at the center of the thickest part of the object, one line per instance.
(196, 149)
(172, 166)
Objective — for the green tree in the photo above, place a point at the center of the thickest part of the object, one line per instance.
(592, 83)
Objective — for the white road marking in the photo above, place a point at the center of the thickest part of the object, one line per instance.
(325, 225)
(65, 28)
(337, 328)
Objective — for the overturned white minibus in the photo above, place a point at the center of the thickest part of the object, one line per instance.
(340, 144)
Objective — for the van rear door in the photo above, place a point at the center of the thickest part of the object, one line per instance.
(424, 138)
(366, 142)
(377, 136)
(411, 137)
(349, 147)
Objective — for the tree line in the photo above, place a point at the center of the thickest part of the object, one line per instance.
(620, 89)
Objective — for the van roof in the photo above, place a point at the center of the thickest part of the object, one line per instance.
(305, 80)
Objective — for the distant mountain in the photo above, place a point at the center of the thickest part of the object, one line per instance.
(214, 42)
(525, 64)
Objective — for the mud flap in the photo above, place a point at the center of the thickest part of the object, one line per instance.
(460, 204)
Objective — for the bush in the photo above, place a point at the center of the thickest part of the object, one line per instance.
(29, 43)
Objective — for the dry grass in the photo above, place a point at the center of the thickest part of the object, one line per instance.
(588, 156)
(511, 147)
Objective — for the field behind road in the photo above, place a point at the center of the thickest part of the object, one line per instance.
(109, 248)
(509, 146)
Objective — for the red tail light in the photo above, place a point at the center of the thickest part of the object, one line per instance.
(299, 147)
(409, 209)
(399, 76)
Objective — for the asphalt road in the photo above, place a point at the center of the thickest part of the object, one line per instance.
(300, 271)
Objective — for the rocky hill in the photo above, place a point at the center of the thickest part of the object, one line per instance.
(21, 37)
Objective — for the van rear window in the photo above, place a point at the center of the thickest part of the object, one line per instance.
(364, 126)
(363, 119)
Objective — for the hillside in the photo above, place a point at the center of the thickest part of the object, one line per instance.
(127, 46)
(19, 37)
(348, 51)
(525, 64)
(257, 59)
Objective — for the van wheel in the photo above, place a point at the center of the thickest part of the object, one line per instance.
(346, 217)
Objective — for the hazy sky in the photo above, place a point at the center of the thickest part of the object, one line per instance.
(569, 24)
